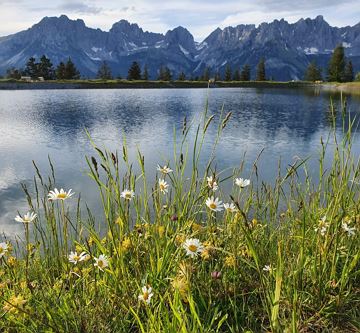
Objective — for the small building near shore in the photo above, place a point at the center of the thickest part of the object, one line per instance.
(26, 78)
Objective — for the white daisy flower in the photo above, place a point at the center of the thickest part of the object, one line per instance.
(163, 186)
(322, 226)
(193, 247)
(101, 262)
(165, 169)
(268, 268)
(27, 218)
(127, 194)
(231, 208)
(75, 258)
(241, 182)
(214, 204)
(60, 195)
(4, 248)
(212, 183)
(350, 230)
(146, 294)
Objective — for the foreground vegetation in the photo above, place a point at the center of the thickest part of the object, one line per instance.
(170, 256)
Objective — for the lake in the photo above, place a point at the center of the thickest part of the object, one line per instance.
(35, 124)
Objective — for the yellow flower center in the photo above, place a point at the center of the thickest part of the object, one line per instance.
(128, 195)
(162, 187)
(212, 205)
(1, 250)
(61, 196)
(146, 295)
(100, 263)
(193, 248)
(76, 258)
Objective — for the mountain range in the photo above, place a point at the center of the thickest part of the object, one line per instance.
(288, 48)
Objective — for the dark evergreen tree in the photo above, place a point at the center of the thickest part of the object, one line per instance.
(227, 73)
(104, 72)
(206, 74)
(260, 70)
(134, 72)
(357, 77)
(13, 73)
(349, 72)
(236, 76)
(217, 76)
(164, 74)
(45, 68)
(145, 73)
(182, 77)
(31, 68)
(60, 71)
(245, 73)
(313, 73)
(71, 72)
(336, 70)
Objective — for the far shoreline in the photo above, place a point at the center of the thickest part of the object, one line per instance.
(347, 88)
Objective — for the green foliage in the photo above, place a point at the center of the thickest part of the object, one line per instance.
(206, 74)
(313, 73)
(13, 73)
(349, 72)
(237, 75)
(228, 73)
(284, 259)
(357, 77)
(104, 72)
(67, 71)
(336, 70)
(44, 68)
(260, 70)
(145, 75)
(245, 73)
(164, 74)
(134, 72)
(182, 76)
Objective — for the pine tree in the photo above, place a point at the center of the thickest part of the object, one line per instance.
(236, 76)
(245, 73)
(206, 74)
(313, 73)
(260, 70)
(349, 72)
(60, 71)
(217, 76)
(134, 72)
(45, 68)
(336, 71)
(71, 72)
(104, 72)
(164, 74)
(31, 68)
(227, 73)
(145, 73)
(13, 73)
(357, 77)
(182, 77)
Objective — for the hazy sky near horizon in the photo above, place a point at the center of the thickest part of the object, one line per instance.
(200, 17)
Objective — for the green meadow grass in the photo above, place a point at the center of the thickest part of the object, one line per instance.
(285, 260)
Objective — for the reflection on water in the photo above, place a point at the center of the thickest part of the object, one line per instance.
(38, 124)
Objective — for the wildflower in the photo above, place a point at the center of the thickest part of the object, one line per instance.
(4, 248)
(27, 218)
(11, 261)
(127, 194)
(75, 258)
(212, 183)
(322, 226)
(350, 230)
(126, 243)
(163, 186)
(268, 268)
(216, 275)
(161, 230)
(60, 195)
(185, 269)
(165, 169)
(205, 254)
(214, 204)
(230, 261)
(179, 239)
(242, 182)
(181, 284)
(146, 294)
(195, 227)
(101, 262)
(193, 247)
(14, 304)
(174, 218)
(231, 208)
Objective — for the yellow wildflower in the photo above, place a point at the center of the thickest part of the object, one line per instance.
(230, 261)
(161, 230)
(126, 243)
(15, 304)
(180, 239)
(11, 261)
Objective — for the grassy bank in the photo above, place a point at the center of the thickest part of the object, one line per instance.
(125, 84)
(347, 88)
(169, 257)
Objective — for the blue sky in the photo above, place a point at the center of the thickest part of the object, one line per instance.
(199, 17)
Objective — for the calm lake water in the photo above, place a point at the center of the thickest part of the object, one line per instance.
(37, 124)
